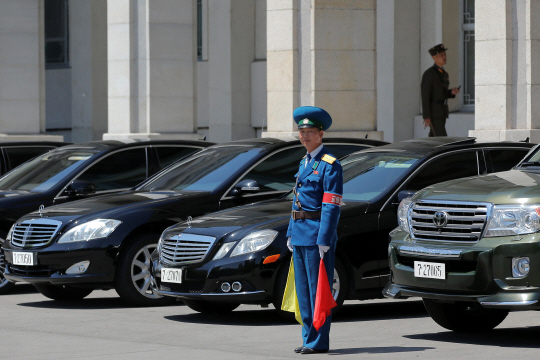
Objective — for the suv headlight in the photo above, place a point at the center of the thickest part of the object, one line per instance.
(255, 241)
(509, 220)
(94, 229)
(403, 214)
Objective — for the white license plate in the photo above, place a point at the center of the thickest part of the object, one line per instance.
(429, 270)
(171, 275)
(23, 258)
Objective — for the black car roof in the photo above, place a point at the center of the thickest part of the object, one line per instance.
(116, 144)
(434, 145)
(271, 143)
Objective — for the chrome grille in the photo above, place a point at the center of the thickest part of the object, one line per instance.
(184, 249)
(34, 233)
(465, 221)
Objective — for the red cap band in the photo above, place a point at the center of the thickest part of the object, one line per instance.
(333, 199)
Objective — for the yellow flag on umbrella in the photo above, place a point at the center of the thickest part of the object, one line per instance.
(290, 300)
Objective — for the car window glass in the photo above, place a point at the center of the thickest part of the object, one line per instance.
(45, 171)
(120, 170)
(204, 171)
(276, 173)
(340, 151)
(444, 168)
(19, 155)
(503, 160)
(167, 155)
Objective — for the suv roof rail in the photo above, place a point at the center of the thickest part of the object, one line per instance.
(469, 140)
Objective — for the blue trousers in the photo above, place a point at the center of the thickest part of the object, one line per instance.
(306, 275)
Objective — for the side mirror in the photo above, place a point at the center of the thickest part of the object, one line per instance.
(78, 188)
(246, 187)
(404, 194)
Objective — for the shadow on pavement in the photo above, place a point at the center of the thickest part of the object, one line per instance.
(19, 289)
(86, 304)
(526, 337)
(348, 313)
(377, 350)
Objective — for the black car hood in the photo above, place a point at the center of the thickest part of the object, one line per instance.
(271, 214)
(106, 205)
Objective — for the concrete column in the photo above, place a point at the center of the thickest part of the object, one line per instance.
(231, 38)
(88, 60)
(22, 71)
(151, 62)
(322, 53)
(508, 79)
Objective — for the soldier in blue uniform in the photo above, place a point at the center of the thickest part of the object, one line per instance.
(315, 214)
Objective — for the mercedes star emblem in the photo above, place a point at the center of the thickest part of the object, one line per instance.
(41, 207)
(189, 220)
(440, 219)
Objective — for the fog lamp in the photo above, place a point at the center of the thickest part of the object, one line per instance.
(78, 268)
(236, 286)
(225, 287)
(520, 266)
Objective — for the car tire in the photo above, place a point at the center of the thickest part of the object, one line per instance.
(464, 316)
(211, 307)
(339, 288)
(5, 285)
(63, 292)
(132, 280)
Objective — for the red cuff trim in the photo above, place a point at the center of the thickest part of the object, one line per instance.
(333, 199)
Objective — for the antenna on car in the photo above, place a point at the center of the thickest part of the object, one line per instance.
(204, 138)
(526, 140)
(365, 137)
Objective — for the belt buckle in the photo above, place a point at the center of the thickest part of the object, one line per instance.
(294, 215)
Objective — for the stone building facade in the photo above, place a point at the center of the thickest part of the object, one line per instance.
(235, 69)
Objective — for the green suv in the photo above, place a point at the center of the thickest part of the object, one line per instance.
(470, 248)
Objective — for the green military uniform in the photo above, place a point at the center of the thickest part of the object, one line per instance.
(435, 93)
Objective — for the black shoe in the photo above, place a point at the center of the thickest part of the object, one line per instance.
(299, 349)
(307, 350)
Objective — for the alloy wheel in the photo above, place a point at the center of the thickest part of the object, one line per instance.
(140, 271)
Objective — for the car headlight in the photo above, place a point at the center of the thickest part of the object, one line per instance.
(255, 241)
(223, 250)
(403, 214)
(509, 220)
(94, 229)
(10, 233)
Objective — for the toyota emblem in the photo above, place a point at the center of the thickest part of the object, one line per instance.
(440, 219)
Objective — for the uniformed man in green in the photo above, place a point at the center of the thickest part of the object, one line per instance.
(435, 93)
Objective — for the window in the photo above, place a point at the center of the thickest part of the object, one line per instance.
(505, 159)
(19, 155)
(276, 173)
(468, 55)
(121, 170)
(444, 168)
(56, 33)
(168, 155)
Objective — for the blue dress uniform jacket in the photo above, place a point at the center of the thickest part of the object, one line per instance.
(319, 188)
(323, 177)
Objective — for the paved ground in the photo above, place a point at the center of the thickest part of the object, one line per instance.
(102, 327)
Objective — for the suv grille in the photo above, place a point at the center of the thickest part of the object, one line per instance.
(448, 220)
(34, 233)
(185, 249)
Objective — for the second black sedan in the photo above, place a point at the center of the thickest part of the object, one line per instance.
(218, 261)
(105, 242)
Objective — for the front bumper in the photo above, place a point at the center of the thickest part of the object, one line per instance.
(478, 272)
(203, 281)
(52, 262)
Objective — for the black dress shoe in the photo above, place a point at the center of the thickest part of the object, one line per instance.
(299, 349)
(307, 350)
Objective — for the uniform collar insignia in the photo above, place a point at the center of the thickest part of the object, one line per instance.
(315, 165)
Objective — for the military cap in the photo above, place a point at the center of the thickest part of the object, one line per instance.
(437, 49)
(312, 116)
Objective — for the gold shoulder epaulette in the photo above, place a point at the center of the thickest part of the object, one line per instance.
(304, 156)
(329, 159)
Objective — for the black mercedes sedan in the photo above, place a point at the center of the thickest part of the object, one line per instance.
(105, 242)
(218, 261)
(79, 171)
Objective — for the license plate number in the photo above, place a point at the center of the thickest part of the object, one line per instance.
(171, 275)
(23, 258)
(429, 270)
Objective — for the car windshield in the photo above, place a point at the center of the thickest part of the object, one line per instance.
(368, 175)
(45, 171)
(204, 171)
